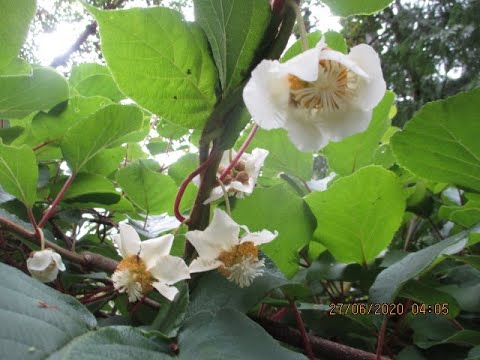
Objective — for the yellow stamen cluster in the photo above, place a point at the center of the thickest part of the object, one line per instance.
(236, 255)
(139, 272)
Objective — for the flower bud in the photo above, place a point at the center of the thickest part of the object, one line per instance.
(44, 265)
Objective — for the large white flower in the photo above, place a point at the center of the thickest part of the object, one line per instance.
(242, 178)
(317, 96)
(44, 265)
(147, 265)
(219, 246)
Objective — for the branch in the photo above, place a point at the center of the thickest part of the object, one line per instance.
(62, 59)
(323, 348)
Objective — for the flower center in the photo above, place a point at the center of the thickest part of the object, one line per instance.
(241, 264)
(332, 91)
(132, 277)
(238, 173)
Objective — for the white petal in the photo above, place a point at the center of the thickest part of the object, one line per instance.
(215, 194)
(40, 260)
(201, 265)
(372, 89)
(128, 241)
(344, 60)
(266, 95)
(168, 291)
(322, 184)
(304, 132)
(255, 162)
(43, 265)
(340, 124)
(304, 66)
(245, 188)
(58, 261)
(152, 249)
(220, 235)
(260, 237)
(170, 269)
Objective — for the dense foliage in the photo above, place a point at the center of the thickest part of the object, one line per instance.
(378, 260)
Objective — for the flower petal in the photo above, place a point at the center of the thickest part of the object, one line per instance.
(340, 124)
(304, 132)
(245, 188)
(201, 265)
(168, 291)
(220, 235)
(215, 194)
(127, 240)
(304, 66)
(255, 162)
(58, 261)
(152, 249)
(260, 237)
(266, 95)
(170, 269)
(40, 260)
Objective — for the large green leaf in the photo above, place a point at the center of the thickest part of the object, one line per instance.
(106, 161)
(235, 29)
(229, 334)
(390, 280)
(22, 95)
(356, 151)
(94, 80)
(355, 7)
(160, 61)
(358, 215)
(44, 323)
(89, 136)
(16, 17)
(51, 127)
(440, 142)
(19, 172)
(278, 209)
(283, 155)
(151, 191)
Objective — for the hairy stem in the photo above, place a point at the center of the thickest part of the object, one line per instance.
(301, 326)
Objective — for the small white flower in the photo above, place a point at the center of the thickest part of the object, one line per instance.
(317, 96)
(242, 178)
(219, 246)
(321, 185)
(44, 265)
(147, 265)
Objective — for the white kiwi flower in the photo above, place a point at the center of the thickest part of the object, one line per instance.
(317, 96)
(147, 265)
(220, 247)
(45, 264)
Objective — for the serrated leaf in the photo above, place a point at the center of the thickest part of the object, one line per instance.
(151, 191)
(23, 95)
(359, 150)
(358, 215)
(16, 18)
(278, 209)
(89, 136)
(160, 61)
(357, 7)
(443, 137)
(234, 29)
(389, 281)
(94, 80)
(19, 173)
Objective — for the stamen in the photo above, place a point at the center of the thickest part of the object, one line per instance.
(132, 277)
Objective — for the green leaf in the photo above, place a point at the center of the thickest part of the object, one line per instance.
(94, 80)
(22, 95)
(16, 18)
(172, 313)
(183, 167)
(157, 146)
(334, 40)
(389, 281)
(235, 30)
(359, 150)
(229, 334)
(346, 8)
(19, 173)
(106, 161)
(443, 137)
(358, 215)
(151, 191)
(160, 61)
(7, 135)
(278, 209)
(283, 155)
(89, 188)
(89, 136)
(52, 126)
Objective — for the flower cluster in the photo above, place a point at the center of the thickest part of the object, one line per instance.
(317, 96)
